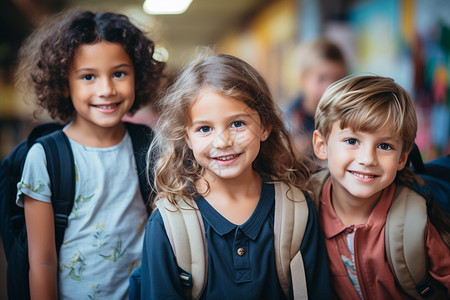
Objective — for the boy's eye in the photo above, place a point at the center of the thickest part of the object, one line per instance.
(385, 146)
(88, 77)
(237, 124)
(351, 141)
(119, 74)
(204, 129)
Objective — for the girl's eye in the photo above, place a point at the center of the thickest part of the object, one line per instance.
(237, 124)
(351, 141)
(88, 77)
(385, 146)
(204, 129)
(119, 74)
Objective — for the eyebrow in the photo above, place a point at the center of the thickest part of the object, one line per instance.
(350, 131)
(237, 116)
(81, 70)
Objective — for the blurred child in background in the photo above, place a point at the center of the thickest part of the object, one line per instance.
(321, 62)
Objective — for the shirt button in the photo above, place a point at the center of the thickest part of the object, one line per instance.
(350, 229)
(240, 251)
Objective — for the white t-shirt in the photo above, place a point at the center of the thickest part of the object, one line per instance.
(103, 240)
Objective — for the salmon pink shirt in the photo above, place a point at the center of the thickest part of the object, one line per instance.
(365, 273)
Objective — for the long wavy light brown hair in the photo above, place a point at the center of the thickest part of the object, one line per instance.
(176, 170)
(46, 57)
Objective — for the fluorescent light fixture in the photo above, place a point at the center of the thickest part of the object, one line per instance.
(166, 7)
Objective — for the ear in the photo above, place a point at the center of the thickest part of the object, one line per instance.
(320, 145)
(265, 133)
(402, 160)
(188, 141)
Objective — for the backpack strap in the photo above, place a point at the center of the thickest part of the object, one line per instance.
(291, 217)
(405, 240)
(61, 169)
(188, 243)
(316, 183)
(141, 137)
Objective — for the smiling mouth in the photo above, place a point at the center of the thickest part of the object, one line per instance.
(110, 106)
(228, 157)
(362, 175)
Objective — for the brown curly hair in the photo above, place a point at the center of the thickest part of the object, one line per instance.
(46, 57)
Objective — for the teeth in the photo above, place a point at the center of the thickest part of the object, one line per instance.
(226, 157)
(361, 175)
(107, 106)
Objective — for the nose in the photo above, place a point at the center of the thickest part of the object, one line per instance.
(367, 156)
(223, 139)
(106, 87)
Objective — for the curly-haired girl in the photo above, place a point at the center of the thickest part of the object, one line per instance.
(222, 143)
(88, 69)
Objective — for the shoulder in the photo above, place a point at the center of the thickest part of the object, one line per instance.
(155, 218)
(36, 151)
(35, 159)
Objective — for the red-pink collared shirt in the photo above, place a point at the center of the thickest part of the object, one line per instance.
(374, 275)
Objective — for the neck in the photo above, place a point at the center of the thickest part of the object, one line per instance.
(95, 136)
(232, 187)
(353, 211)
(235, 199)
(309, 106)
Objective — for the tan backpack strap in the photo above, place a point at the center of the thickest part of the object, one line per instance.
(291, 218)
(188, 242)
(316, 183)
(405, 238)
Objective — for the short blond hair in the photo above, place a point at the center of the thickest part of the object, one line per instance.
(368, 103)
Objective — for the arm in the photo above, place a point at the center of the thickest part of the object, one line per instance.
(160, 278)
(41, 249)
(315, 258)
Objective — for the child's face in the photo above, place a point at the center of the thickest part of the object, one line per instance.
(224, 135)
(101, 84)
(316, 80)
(361, 164)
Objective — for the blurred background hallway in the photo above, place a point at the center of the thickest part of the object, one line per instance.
(407, 40)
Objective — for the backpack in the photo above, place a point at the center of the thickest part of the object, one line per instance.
(186, 233)
(61, 169)
(435, 174)
(405, 238)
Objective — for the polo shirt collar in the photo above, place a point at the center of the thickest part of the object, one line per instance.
(252, 226)
(331, 223)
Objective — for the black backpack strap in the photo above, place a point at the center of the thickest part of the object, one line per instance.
(415, 159)
(61, 169)
(141, 137)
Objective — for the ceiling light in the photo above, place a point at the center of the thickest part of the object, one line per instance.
(166, 7)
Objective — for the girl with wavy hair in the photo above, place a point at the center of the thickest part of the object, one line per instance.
(221, 146)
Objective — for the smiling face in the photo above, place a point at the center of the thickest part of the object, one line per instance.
(101, 84)
(361, 164)
(224, 135)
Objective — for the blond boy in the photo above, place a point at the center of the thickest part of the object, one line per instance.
(365, 128)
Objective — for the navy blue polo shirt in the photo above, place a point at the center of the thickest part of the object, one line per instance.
(241, 258)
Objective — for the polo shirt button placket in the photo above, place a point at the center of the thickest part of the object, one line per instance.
(241, 259)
